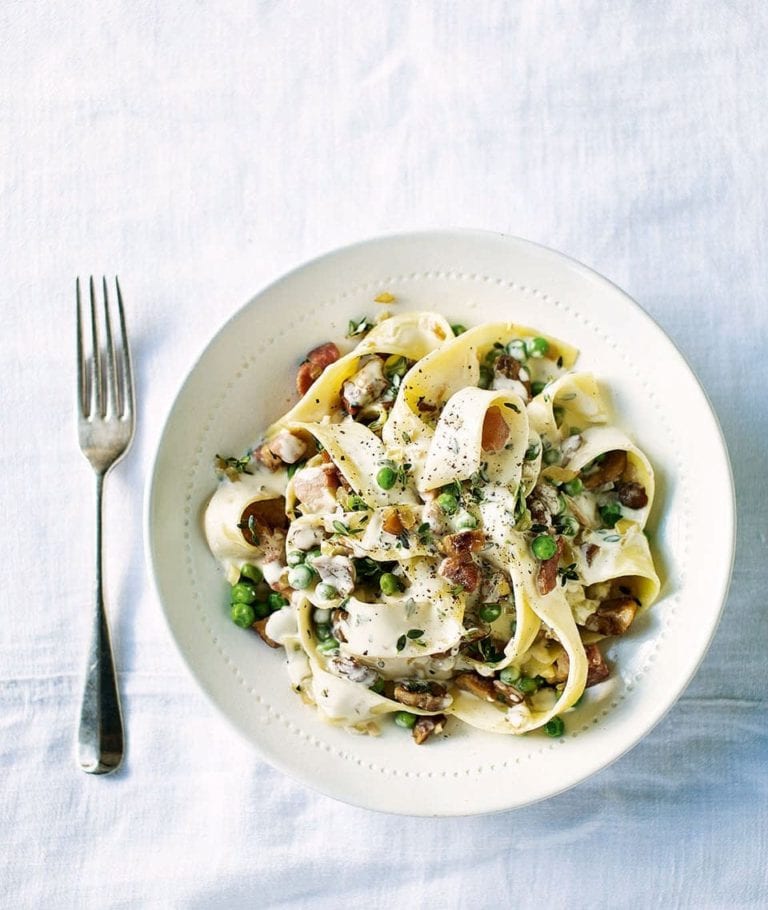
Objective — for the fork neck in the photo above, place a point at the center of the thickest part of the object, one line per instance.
(100, 476)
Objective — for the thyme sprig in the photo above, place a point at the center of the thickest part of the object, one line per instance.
(231, 467)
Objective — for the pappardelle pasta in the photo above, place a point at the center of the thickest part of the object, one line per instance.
(445, 524)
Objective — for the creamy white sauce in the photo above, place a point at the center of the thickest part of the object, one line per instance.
(511, 385)
(375, 630)
(273, 571)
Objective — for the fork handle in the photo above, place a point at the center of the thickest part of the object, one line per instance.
(100, 739)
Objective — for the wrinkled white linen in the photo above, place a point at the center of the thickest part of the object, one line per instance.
(200, 151)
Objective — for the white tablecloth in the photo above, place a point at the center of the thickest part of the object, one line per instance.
(202, 149)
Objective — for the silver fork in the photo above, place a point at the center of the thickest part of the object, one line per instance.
(105, 423)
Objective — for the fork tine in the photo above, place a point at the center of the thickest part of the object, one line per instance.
(127, 390)
(112, 392)
(82, 392)
(97, 395)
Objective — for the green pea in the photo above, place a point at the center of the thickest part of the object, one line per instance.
(386, 478)
(466, 522)
(537, 347)
(389, 583)
(562, 505)
(555, 727)
(321, 615)
(573, 487)
(574, 431)
(295, 558)
(276, 601)
(551, 456)
(610, 514)
(532, 452)
(328, 646)
(569, 526)
(490, 612)
(558, 413)
(261, 609)
(326, 592)
(404, 719)
(486, 378)
(323, 631)
(300, 577)
(356, 503)
(538, 387)
(493, 355)
(251, 572)
(448, 503)
(458, 329)
(378, 686)
(313, 555)
(243, 593)
(544, 546)
(527, 685)
(509, 675)
(517, 349)
(242, 614)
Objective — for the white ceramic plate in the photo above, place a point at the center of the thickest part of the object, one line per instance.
(244, 380)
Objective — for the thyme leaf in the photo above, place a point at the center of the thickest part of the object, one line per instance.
(568, 573)
(362, 327)
(250, 527)
(296, 466)
(340, 528)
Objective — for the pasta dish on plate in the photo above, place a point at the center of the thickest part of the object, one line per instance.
(446, 525)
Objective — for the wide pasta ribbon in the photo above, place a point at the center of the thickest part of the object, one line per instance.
(571, 402)
(621, 553)
(409, 335)
(463, 442)
(340, 699)
(223, 515)
(554, 612)
(359, 455)
(597, 441)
